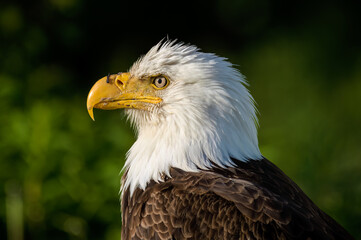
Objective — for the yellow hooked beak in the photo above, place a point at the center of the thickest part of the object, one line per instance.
(121, 91)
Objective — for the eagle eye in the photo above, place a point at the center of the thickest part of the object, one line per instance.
(160, 82)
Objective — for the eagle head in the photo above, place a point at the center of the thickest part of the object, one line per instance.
(191, 110)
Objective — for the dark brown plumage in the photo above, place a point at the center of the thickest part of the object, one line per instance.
(254, 200)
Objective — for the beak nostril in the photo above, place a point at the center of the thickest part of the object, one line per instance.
(108, 78)
(120, 83)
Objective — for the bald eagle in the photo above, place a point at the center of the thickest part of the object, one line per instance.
(195, 170)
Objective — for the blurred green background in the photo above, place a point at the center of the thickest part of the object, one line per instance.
(59, 170)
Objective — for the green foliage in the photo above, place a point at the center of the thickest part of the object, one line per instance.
(60, 171)
(67, 166)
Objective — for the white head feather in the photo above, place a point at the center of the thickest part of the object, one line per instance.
(207, 115)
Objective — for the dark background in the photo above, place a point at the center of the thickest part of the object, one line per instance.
(59, 171)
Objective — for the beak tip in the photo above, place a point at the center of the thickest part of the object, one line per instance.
(91, 114)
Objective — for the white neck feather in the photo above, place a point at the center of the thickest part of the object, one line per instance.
(207, 115)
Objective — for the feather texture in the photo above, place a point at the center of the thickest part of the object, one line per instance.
(254, 200)
(206, 113)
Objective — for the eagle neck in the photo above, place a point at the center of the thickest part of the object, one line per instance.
(187, 144)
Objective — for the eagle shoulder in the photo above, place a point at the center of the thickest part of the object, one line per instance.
(255, 200)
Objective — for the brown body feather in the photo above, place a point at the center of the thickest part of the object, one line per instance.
(254, 200)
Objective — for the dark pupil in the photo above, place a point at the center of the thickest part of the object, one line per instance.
(160, 81)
